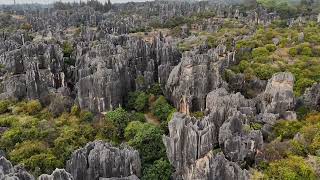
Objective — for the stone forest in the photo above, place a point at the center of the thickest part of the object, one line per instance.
(160, 90)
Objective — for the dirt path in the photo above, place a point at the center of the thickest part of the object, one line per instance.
(152, 119)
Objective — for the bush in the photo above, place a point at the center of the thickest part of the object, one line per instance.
(86, 116)
(264, 71)
(141, 102)
(132, 129)
(67, 49)
(32, 107)
(148, 141)
(75, 110)
(4, 105)
(271, 47)
(293, 52)
(161, 108)
(160, 170)
(27, 149)
(138, 100)
(243, 65)
(136, 116)
(302, 84)
(306, 51)
(293, 167)
(120, 119)
(260, 52)
(286, 129)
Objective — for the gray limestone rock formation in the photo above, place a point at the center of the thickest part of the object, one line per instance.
(8, 172)
(238, 142)
(311, 97)
(101, 160)
(31, 71)
(225, 125)
(278, 98)
(215, 167)
(195, 76)
(57, 174)
(109, 70)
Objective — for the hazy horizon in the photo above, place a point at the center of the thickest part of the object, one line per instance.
(7, 2)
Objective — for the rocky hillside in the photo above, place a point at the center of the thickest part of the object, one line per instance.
(160, 90)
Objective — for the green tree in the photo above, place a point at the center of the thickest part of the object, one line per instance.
(120, 118)
(160, 170)
(161, 108)
(147, 140)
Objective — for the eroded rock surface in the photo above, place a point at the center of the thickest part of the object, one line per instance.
(214, 167)
(101, 160)
(57, 174)
(195, 76)
(311, 97)
(278, 98)
(9, 172)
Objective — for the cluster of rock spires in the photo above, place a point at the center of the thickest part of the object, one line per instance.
(193, 145)
(108, 63)
(96, 161)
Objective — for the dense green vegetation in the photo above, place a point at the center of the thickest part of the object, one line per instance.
(35, 138)
(274, 49)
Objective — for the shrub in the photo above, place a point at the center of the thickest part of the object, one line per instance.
(243, 65)
(4, 105)
(161, 108)
(27, 149)
(293, 52)
(306, 51)
(271, 47)
(136, 116)
(293, 167)
(150, 135)
(32, 107)
(302, 84)
(160, 170)
(155, 90)
(260, 52)
(86, 116)
(264, 71)
(286, 129)
(132, 129)
(75, 110)
(141, 102)
(120, 119)
(67, 49)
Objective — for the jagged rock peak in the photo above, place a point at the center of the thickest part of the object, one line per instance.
(101, 160)
(278, 98)
(195, 76)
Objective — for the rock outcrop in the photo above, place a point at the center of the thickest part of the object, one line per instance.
(214, 167)
(31, 71)
(228, 115)
(311, 97)
(195, 76)
(108, 71)
(8, 172)
(102, 160)
(57, 174)
(278, 98)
